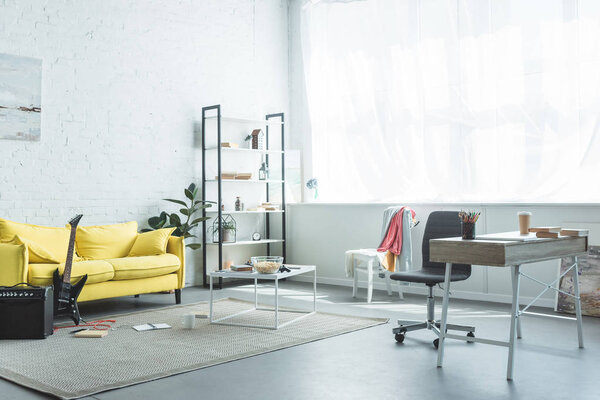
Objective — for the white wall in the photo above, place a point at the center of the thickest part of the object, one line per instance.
(123, 84)
(319, 234)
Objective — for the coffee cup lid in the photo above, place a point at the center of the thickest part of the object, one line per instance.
(524, 213)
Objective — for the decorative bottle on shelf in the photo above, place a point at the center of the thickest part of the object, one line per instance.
(263, 172)
(238, 204)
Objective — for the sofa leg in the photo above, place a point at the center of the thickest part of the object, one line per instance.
(177, 296)
(137, 296)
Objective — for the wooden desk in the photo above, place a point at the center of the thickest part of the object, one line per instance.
(510, 251)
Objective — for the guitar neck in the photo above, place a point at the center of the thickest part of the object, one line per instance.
(69, 262)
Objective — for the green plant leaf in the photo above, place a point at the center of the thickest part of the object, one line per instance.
(156, 222)
(184, 211)
(176, 201)
(194, 246)
(189, 235)
(146, 230)
(175, 220)
(192, 187)
(164, 215)
(188, 194)
(199, 220)
(177, 232)
(195, 192)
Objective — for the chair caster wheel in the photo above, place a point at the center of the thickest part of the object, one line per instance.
(470, 334)
(436, 343)
(399, 337)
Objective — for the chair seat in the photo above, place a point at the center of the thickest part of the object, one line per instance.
(428, 276)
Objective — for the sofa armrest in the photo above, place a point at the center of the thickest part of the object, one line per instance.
(176, 246)
(14, 264)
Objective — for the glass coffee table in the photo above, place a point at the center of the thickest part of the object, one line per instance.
(295, 270)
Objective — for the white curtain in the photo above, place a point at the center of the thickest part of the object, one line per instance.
(454, 100)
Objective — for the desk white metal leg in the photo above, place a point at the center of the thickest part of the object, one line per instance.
(578, 302)
(519, 336)
(315, 291)
(210, 312)
(388, 284)
(516, 281)
(444, 315)
(276, 303)
(255, 293)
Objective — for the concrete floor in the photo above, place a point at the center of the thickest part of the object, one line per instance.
(369, 364)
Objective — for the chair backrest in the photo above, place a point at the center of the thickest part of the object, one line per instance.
(442, 224)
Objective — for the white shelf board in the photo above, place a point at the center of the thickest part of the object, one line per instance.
(275, 121)
(247, 242)
(245, 180)
(243, 150)
(246, 212)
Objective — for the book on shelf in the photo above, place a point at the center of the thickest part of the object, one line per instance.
(547, 235)
(230, 145)
(575, 232)
(241, 268)
(244, 175)
(226, 175)
(555, 229)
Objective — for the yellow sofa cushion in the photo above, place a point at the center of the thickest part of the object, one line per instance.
(96, 270)
(151, 243)
(13, 264)
(105, 241)
(37, 254)
(54, 240)
(144, 267)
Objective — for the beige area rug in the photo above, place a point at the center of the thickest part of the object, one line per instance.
(69, 367)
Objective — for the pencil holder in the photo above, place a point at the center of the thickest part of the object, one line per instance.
(468, 230)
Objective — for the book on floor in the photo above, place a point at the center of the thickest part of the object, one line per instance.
(90, 334)
(150, 327)
(575, 232)
(545, 229)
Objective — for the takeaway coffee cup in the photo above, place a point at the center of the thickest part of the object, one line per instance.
(524, 222)
(189, 321)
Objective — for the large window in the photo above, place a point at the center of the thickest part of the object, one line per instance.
(454, 100)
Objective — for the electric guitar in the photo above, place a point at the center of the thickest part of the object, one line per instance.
(65, 294)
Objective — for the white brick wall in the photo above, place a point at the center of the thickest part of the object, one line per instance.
(123, 83)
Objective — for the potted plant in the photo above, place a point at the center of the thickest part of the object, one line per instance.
(228, 229)
(183, 224)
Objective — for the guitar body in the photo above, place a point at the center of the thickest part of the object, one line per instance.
(66, 294)
(65, 297)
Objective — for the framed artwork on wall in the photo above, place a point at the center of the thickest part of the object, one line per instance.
(20, 97)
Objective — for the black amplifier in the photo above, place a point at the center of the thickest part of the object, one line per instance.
(26, 312)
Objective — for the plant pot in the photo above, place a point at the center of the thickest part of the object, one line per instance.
(228, 235)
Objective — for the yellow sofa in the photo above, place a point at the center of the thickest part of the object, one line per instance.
(30, 253)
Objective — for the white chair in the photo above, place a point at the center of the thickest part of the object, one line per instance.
(367, 261)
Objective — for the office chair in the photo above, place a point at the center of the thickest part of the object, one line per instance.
(440, 224)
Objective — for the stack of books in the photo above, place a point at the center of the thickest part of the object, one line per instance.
(241, 268)
(226, 175)
(554, 232)
(244, 175)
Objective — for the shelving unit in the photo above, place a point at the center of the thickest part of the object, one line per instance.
(271, 120)
(247, 242)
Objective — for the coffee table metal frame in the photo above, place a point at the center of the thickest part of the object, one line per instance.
(296, 270)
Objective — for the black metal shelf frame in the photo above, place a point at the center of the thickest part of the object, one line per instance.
(217, 108)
